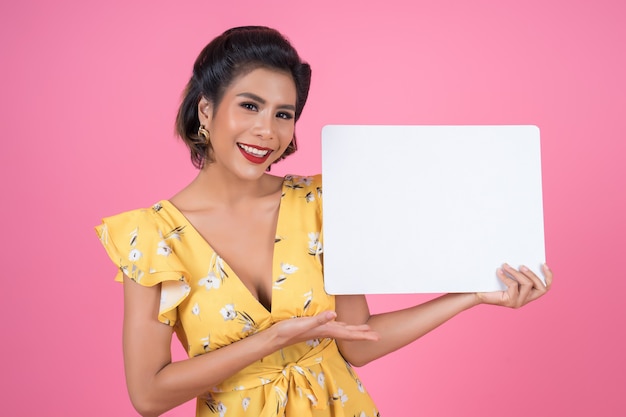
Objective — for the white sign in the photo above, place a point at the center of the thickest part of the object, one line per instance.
(429, 209)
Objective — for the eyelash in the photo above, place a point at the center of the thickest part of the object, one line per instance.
(281, 115)
(249, 106)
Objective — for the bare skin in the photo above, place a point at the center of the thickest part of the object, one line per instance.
(232, 197)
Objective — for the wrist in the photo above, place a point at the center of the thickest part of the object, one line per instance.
(470, 299)
(272, 339)
(477, 299)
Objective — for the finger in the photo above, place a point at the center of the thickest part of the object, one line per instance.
(506, 278)
(539, 287)
(324, 317)
(352, 326)
(537, 282)
(352, 332)
(512, 288)
(547, 273)
(525, 285)
(319, 320)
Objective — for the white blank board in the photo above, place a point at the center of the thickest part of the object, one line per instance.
(429, 209)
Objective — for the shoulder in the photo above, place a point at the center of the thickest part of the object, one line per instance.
(302, 195)
(145, 218)
(131, 232)
(304, 185)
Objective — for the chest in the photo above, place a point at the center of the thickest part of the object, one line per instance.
(244, 239)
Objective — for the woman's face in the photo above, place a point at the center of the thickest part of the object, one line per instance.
(253, 124)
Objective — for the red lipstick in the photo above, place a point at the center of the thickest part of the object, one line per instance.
(254, 154)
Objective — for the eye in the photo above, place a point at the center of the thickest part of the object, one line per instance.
(284, 115)
(249, 106)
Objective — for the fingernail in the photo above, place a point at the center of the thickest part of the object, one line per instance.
(523, 268)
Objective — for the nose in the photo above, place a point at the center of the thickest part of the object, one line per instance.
(264, 126)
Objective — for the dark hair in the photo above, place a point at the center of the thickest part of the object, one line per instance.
(236, 52)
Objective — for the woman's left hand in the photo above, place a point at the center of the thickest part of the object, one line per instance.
(523, 286)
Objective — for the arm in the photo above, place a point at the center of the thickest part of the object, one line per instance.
(399, 328)
(156, 384)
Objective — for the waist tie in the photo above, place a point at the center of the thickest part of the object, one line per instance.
(291, 388)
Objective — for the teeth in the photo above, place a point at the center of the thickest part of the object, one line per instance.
(254, 151)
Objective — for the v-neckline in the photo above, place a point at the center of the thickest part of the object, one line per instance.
(206, 243)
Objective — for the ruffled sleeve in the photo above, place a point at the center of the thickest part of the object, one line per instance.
(144, 249)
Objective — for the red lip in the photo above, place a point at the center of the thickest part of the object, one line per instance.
(254, 158)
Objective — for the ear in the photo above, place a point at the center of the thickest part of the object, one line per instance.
(205, 111)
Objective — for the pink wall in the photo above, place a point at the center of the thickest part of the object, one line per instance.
(89, 92)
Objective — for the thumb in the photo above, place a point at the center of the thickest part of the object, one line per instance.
(325, 317)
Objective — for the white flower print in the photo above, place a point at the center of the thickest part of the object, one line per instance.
(287, 268)
(313, 342)
(163, 248)
(359, 385)
(308, 299)
(174, 233)
(210, 281)
(305, 180)
(133, 237)
(195, 310)
(315, 246)
(321, 379)
(245, 403)
(309, 197)
(133, 273)
(205, 343)
(282, 396)
(221, 408)
(104, 234)
(340, 395)
(220, 265)
(228, 312)
(134, 255)
(157, 207)
(247, 321)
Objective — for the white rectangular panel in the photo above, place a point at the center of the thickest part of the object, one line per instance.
(429, 209)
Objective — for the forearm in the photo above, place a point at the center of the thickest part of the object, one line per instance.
(399, 328)
(178, 382)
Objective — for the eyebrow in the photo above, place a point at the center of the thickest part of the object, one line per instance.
(262, 101)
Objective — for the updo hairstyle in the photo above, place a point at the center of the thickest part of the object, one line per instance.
(236, 52)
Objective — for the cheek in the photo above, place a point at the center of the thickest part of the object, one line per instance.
(287, 132)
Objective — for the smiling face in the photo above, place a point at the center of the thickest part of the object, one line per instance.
(253, 124)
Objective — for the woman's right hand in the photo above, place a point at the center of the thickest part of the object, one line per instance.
(322, 325)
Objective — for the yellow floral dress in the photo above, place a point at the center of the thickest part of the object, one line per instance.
(209, 307)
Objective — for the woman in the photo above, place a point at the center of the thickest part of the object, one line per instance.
(233, 262)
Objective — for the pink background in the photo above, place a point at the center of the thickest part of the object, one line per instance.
(89, 93)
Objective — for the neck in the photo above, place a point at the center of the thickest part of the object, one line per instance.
(217, 187)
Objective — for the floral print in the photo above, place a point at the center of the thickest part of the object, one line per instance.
(209, 307)
(228, 312)
(210, 281)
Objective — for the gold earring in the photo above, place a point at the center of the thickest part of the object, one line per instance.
(204, 133)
